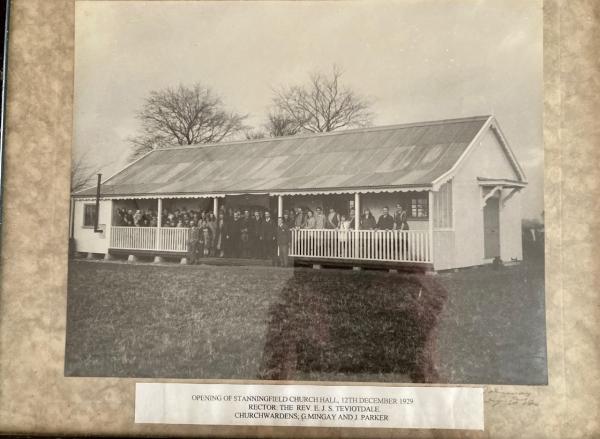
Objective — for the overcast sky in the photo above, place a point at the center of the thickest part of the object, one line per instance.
(417, 60)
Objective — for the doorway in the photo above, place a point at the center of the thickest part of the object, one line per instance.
(491, 228)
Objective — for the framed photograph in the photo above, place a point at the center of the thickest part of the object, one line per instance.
(298, 217)
(294, 218)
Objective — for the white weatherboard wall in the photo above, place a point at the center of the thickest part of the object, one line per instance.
(488, 160)
(86, 240)
(443, 249)
(443, 227)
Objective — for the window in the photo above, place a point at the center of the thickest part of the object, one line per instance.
(89, 215)
(419, 208)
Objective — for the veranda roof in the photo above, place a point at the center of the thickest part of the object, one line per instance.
(399, 156)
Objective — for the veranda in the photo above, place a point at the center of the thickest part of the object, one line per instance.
(355, 246)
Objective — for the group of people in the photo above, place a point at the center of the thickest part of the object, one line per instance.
(233, 234)
(177, 218)
(307, 219)
(238, 233)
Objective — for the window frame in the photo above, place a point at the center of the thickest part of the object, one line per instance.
(425, 201)
(92, 206)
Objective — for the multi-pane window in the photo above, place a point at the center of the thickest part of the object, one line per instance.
(89, 215)
(419, 208)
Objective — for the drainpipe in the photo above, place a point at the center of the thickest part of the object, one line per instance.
(96, 229)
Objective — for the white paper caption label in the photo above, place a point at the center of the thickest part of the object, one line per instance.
(310, 406)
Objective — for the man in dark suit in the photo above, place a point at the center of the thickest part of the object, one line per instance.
(245, 234)
(268, 236)
(283, 242)
(233, 236)
(193, 245)
(255, 230)
(287, 219)
(386, 221)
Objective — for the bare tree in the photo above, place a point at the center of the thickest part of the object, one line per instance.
(322, 105)
(184, 116)
(279, 124)
(82, 173)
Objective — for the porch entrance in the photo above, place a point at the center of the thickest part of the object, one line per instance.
(491, 228)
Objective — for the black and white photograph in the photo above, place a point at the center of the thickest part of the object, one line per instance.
(341, 191)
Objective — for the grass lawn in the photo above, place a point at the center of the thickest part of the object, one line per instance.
(493, 329)
(171, 321)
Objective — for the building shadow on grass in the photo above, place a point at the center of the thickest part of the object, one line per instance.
(323, 324)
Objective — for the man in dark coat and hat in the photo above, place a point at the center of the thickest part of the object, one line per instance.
(269, 238)
(283, 242)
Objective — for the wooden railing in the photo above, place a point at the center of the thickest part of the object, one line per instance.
(173, 239)
(149, 238)
(372, 245)
(133, 238)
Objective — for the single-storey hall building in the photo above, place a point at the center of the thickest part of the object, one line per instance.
(458, 180)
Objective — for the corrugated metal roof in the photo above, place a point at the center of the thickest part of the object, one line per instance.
(393, 156)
